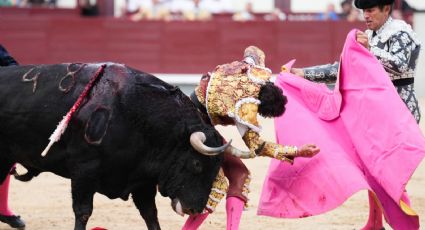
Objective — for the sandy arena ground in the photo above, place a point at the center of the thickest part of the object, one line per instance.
(45, 203)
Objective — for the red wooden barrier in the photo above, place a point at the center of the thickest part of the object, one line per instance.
(169, 47)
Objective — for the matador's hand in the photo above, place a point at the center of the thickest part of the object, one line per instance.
(308, 150)
(361, 38)
(297, 71)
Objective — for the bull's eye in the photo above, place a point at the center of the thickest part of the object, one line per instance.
(197, 166)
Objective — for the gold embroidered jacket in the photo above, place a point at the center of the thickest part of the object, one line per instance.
(230, 96)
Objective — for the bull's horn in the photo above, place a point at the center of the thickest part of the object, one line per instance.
(239, 153)
(177, 207)
(197, 140)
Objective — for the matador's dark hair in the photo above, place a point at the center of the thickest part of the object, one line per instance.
(272, 101)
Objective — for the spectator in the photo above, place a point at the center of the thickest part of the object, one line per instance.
(36, 2)
(397, 14)
(5, 3)
(217, 6)
(180, 6)
(51, 3)
(329, 14)
(245, 15)
(152, 10)
(406, 8)
(349, 13)
(347, 7)
(89, 8)
(133, 6)
(197, 12)
(354, 15)
(275, 15)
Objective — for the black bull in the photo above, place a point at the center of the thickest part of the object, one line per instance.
(130, 135)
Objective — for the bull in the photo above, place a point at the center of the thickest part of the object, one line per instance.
(131, 134)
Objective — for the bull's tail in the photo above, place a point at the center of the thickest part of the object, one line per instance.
(31, 173)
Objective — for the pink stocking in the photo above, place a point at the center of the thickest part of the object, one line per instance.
(4, 193)
(194, 221)
(234, 208)
(375, 215)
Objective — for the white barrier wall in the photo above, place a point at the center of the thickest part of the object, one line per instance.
(186, 82)
(419, 22)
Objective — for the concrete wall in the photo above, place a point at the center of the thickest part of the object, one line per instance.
(419, 20)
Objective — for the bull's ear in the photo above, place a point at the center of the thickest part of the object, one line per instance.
(183, 130)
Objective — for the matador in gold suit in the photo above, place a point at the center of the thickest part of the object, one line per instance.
(235, 94)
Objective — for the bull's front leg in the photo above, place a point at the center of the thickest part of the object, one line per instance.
(83, 183)
(144, 199)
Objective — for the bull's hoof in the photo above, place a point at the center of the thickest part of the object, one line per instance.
(13, 221)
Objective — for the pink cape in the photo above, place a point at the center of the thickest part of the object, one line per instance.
(367, 136)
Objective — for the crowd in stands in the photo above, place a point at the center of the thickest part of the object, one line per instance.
(202, 10)
(176, 9)
(352, 14)
(206, 10)
(28, 3)
(348, 12)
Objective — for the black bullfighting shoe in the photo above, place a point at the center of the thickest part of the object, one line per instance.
(13, 221)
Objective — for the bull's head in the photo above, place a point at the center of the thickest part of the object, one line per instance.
(189, 179)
